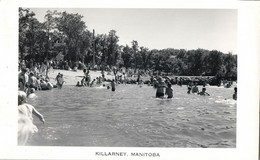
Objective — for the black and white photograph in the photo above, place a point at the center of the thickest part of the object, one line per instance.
(108, 79)
(170, 82)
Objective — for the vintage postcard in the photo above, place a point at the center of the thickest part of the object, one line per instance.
(133, 80)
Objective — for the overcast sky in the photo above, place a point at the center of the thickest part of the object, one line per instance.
(163, 28)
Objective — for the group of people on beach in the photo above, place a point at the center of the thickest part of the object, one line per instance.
(33, 79)
(30, 81)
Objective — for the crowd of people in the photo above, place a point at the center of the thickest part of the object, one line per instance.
(36, 78)
(31, 80)
(162, 85)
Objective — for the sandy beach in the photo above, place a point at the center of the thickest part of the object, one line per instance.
(72, 77)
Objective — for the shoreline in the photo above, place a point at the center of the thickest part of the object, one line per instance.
(72, 77)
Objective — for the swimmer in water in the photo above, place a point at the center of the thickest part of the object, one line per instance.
(203, 92)
(25, 119)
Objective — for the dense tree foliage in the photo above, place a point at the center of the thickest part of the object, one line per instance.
(66, 34)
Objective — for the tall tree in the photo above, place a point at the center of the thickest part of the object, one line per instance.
(72, 26)
(135, 49)
(25, 18)
(113, 48)
(145, 57)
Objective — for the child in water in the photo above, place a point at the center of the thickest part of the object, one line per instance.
(25, 119)
(169, 90)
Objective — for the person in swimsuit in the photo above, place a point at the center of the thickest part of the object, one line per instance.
(25, 119)
(169, 90)
(235, 93)
(195, 89)
(160, 88)
(203, 92)
(23, 79)
(60, 81)
(113, 85)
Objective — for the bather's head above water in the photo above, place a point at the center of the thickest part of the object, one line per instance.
(21, 97)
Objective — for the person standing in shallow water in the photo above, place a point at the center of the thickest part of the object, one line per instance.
(113, 85)
(60, 81)
(169, 90)
(160, 88)
(25, 119)
(235, 93)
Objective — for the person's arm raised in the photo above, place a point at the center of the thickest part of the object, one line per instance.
(36, 113)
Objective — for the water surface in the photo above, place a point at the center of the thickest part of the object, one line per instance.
(132, 117)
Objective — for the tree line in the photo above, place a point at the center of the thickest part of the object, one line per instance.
(66, 34)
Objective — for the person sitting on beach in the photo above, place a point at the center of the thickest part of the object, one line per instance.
(113, 85)
(32, 81)
(49, 84)
(60, 81)
(203, 92)
(25, 119)
(160, 88)
(169, 90)
(235, 93)
(195, 89)
(43, 84)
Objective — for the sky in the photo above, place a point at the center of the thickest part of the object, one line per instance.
(212, 29)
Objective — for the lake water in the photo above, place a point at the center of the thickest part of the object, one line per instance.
(132, 117)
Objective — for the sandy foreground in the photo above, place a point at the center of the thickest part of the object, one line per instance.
(72, 77)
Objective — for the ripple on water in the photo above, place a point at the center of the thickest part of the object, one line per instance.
(131, 117)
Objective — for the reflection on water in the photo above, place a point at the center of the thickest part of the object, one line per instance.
(133, 117)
